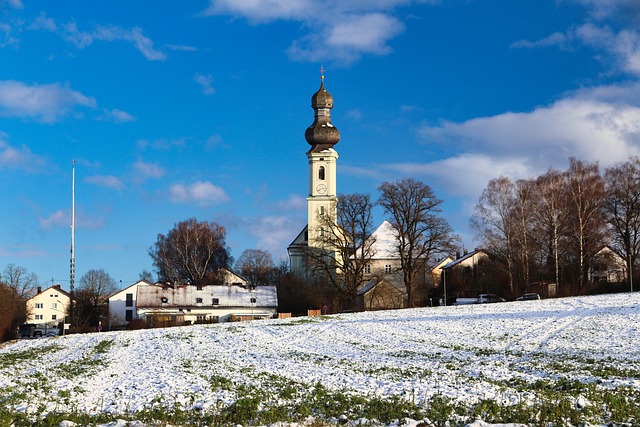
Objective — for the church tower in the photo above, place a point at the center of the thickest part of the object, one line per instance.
(322, 136)
(322, 198)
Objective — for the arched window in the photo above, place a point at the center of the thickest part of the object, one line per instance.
(321, 173)
(321, 210)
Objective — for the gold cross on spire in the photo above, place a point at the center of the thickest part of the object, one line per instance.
(322, 72)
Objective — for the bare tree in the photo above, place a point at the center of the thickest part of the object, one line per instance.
(525, 194)
(20, 285)
(20, 280)
(622, 208)
(422, 233)
(146, 275)
(347, 245)
(586, 189)
(92, 297)
(256, 265)
(493, 221)
(192, 251)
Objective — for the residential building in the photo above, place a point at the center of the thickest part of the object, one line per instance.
(166, 304)
(48, 307)
(607, 266)
(123, 307)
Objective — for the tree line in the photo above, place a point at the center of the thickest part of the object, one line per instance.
(550, 227)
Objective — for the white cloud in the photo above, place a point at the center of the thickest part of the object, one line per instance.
(205, 82)
(148, 170)
(585, 128)
(555, 39)
(19, 158)
(337, 31)
(214, 141)
(597, 125)
(16, 4)
(62, 218)
(294, 202)
(260, 11)
(182, 48)
(163, 144)
(47, 103)
(6, 35)
(107, 181)
(201, 193)
(56, 219)
(623, 46)
(602, 9)
(119, 116)
(110, 33)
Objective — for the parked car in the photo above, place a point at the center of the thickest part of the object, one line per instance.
(30, 331)
(488, 298)
(528, 297)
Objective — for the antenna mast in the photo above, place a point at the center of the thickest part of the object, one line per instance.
(72, 269)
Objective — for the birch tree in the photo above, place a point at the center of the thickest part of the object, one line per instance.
(586, 190)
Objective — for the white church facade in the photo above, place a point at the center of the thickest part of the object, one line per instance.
(384, 271)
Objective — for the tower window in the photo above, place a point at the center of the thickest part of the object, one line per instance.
(387, 268)
(367, 269)
(321, 210)
(321, 173)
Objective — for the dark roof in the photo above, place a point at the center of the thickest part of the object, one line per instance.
(322, 135)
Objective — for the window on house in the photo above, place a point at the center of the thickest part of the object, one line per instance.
(215, 301)
(198, 300)
(54, 305)
(38, 316)
(54, 295)
(128, 315)
(129, 302)
(39, 305)
(367, 269)
(321, 173)
(165, 300)
(201, 317)
(387, 268)
(54, 316)
(198, 287)
(253, 300)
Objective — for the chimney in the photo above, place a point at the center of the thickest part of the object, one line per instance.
(458, 255)
(39, 289)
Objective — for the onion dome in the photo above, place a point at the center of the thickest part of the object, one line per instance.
(322, 135)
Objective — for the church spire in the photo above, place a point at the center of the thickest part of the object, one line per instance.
(322, 134)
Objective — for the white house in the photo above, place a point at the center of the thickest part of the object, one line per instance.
(165, 304)
(48, 307)
(122, 305)
(607, 266)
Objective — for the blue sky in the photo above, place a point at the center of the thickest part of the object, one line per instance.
(198, 109)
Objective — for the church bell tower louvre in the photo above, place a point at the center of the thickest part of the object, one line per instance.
(322, 135)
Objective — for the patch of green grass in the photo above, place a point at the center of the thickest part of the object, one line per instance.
(12, 358)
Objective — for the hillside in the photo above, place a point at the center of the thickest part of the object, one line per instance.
(489, 361)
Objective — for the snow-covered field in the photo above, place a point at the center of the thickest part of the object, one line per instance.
(470, 353)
